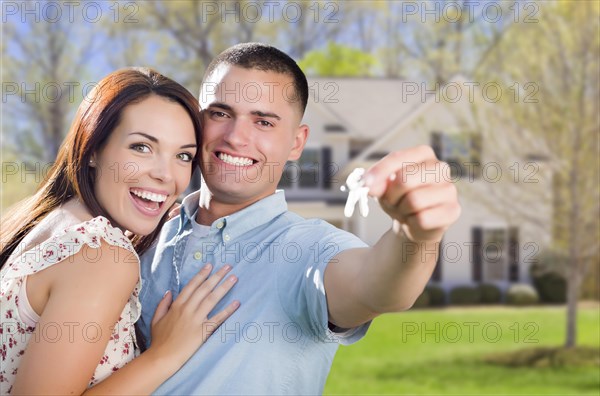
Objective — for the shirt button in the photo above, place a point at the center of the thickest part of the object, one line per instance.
(220, 225)
(226, 237)
(198, 255)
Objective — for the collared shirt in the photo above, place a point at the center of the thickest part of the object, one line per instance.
(278, 341)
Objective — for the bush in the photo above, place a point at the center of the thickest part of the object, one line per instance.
(550, 260)
(490, 294)
(522, 294)
(422, 301)
(464, 295)
(551, 287)
(547, 357)
(437, 296)
(548, 275)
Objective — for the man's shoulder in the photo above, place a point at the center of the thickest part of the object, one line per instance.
(297, 227)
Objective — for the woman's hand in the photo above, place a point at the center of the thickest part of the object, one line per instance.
(174, 211)
(179, 328)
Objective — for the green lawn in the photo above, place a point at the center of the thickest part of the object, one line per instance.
(441, 352)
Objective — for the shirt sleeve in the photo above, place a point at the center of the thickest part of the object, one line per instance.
(307, 249)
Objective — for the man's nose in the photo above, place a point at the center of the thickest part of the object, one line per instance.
(238, 133)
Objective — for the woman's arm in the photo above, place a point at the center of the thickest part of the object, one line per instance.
(177, 332)
(87, 293)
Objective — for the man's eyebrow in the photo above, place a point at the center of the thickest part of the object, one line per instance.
(268, 115)
(224, 106)
(221, 105)
(155, 140)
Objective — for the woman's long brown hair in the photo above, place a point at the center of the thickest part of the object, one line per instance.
(71, 176)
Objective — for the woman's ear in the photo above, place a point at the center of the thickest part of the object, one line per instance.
(92, 161)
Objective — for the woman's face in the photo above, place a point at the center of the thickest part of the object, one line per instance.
(145, 164)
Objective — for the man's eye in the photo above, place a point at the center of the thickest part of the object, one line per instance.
(140, 148)
(187, 157)
(218, 114)
(265, 123)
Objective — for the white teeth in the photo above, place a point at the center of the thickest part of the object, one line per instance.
(238, 161)
(150, 196)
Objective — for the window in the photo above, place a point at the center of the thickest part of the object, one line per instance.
(495, 254)
(309, 168)
(377, 155)
(494, 250)
(335, 128)
(357, 146)
(461, 151)
(312, 170)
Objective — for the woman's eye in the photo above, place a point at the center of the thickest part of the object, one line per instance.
(140, 148)
(187, 157)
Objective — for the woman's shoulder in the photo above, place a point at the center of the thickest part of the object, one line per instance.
(70, 239)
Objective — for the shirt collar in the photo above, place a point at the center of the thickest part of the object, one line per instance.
(188, 209)
(238, 223)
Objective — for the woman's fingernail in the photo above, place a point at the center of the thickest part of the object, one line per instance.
(227, 267)
(167, 292)
(232, 279)
(207, 266)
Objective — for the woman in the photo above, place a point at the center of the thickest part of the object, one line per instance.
(70, 276)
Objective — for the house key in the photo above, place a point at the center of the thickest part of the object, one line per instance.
(357, 193)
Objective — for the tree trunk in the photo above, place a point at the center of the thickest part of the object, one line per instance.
(572, 295)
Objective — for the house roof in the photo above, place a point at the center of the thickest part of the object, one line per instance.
(371, 108)
(367, 107)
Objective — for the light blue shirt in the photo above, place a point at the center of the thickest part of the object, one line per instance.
(278, 341)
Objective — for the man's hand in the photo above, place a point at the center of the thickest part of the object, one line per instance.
(414, 188)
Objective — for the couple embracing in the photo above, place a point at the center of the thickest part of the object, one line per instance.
(93, 257)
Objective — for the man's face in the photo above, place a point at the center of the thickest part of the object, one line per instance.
(251, 127)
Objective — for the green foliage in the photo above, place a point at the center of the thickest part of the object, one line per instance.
(548, 276)
(338, 61)
(558, 357)
(432, 296)
(465, 295)
(437, 295)
(422, 301)
(550, 260)
(490, 294)
(551, 287)
(521, 294)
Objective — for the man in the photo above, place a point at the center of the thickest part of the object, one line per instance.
(304, 285)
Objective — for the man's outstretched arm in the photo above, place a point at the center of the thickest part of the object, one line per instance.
(413, 187)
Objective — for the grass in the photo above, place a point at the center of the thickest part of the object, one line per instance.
(451, 352)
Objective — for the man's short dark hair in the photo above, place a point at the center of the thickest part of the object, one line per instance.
(266, 58)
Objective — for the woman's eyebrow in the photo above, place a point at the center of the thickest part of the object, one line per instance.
(155, 140)
(149, 137)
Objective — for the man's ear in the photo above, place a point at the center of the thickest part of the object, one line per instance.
(299, 142)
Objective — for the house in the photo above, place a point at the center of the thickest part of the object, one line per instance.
(356, 121)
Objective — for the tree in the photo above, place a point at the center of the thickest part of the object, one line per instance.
(435, 40)
(338, 61)
(42, 84)
(559, 56)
